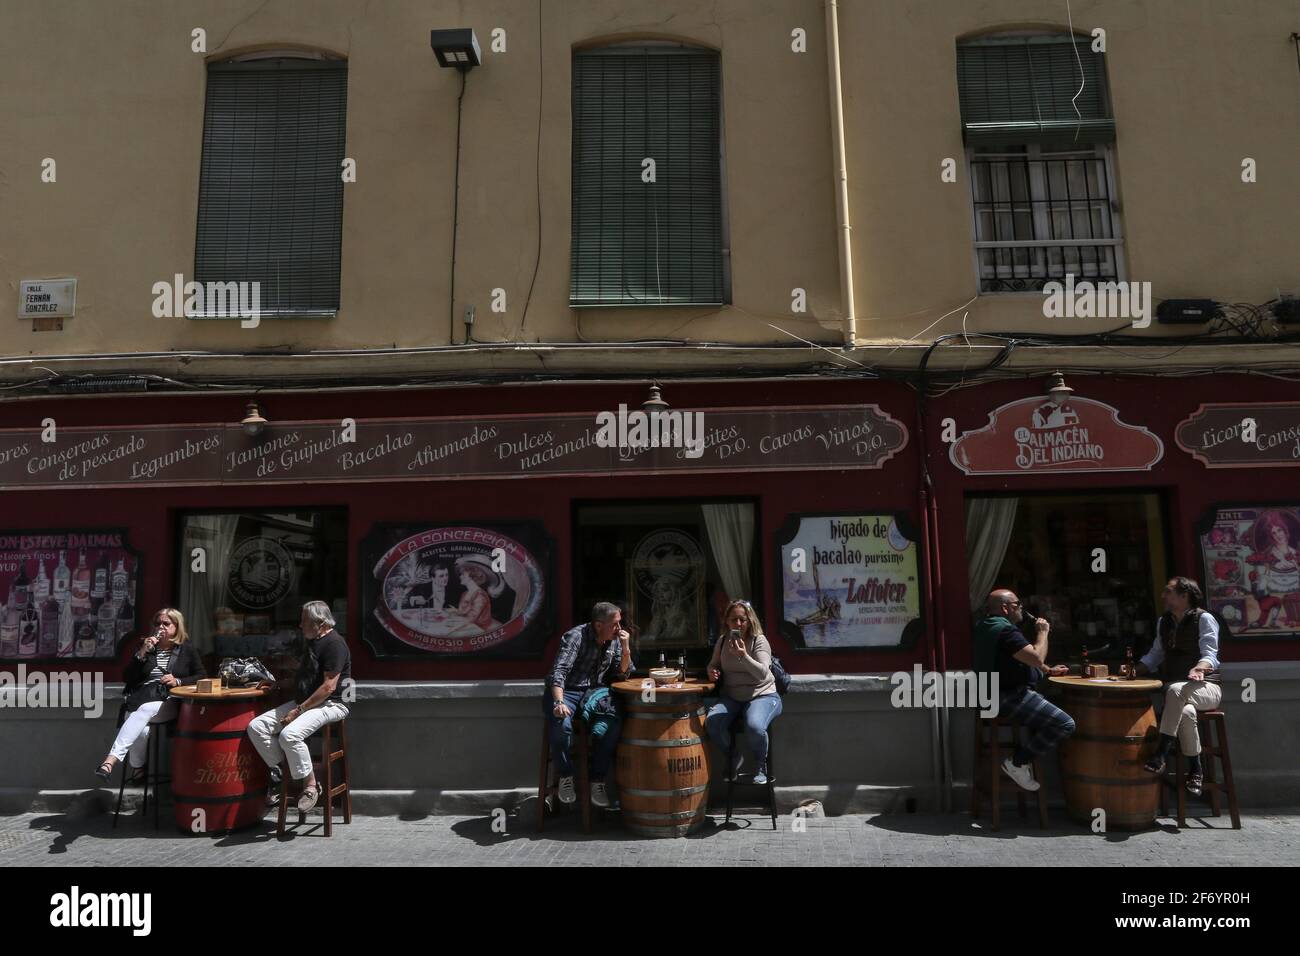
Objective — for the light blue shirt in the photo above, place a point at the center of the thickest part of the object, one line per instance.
(1208, 643)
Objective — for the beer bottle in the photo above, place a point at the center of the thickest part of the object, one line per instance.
(1128, 661)
(1083, 672)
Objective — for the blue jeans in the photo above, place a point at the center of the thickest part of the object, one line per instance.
(757, 714)
(604, 736)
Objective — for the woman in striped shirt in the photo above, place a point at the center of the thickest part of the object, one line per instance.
(165, 659)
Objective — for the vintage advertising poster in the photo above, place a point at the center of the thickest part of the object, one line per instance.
(456, 589)
(66, 594)
(666, 590)
(849, 581)
(1251, 557)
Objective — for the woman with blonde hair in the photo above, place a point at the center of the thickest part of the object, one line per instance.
(165, 659)
(742, 665)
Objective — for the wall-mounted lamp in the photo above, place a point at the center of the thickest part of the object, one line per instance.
(253, 423)
(1057, 388)
(459, 49)
(456, 48)
(655, 402)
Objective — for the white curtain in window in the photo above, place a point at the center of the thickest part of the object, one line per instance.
(202, 594)
(989, 522)
(731, 536)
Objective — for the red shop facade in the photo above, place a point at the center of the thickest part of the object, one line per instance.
(457, 532)
(1085, 502)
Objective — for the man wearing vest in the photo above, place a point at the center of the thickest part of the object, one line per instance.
(1002, 650)
(1186, 655)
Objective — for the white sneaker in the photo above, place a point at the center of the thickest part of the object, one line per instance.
(599, 797)
(1023, 776)
(568, 793)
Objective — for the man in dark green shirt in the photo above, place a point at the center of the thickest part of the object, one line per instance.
(1002, 650)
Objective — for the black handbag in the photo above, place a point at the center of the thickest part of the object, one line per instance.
(780, 676)
(145, 694)
(243, 672)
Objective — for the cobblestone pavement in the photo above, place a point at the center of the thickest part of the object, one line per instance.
(1267, 839)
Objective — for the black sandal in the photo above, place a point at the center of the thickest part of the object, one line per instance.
(137, 775)
(104, 771)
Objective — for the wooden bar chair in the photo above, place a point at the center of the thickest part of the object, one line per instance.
(1213, 728)
(331, 786)
(546, 789)
(989, 748)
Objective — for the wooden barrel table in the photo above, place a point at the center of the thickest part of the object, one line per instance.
(1101, 763)
(663, 757)
(219, 782)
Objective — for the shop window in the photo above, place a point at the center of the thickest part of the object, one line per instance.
(1092, 565)
(671, 566)
(259, 568)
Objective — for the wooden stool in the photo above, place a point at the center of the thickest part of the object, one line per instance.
(153, 771)
(329, 789)
(988, 746)
(1213, 730)
(545, 790)
(771, 776)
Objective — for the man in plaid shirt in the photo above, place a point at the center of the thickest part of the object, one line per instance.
(591, 656)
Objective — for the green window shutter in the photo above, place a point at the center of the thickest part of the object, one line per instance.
(270, 182)
(1020, 90)
(638, 243)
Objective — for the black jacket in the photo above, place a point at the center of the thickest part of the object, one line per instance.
(186, 666)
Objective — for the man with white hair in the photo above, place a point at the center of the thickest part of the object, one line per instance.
(324, 671)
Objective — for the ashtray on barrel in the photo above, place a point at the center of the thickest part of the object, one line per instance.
(665, 675)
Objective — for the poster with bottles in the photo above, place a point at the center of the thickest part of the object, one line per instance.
(66, 594)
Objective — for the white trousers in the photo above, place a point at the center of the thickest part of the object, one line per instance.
(1182, 701)
(133, 736)
(276, 743)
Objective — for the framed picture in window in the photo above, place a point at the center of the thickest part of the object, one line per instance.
(665, 588)
(244, 575)
(1250, 561)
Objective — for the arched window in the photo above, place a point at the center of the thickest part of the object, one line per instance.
(1039, 134)
(270, 186)
(647, 196)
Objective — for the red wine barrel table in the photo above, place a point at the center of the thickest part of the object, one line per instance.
(215, 768)
(1101, 763)
(663, 758)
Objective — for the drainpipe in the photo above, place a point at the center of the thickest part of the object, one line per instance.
(841, 175)
(941, 719)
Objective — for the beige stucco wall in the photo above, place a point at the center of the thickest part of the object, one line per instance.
(113, 92)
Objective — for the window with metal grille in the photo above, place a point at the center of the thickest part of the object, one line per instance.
(1042, 175)
(647, 243)
(270, 183)
(1042, 214)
